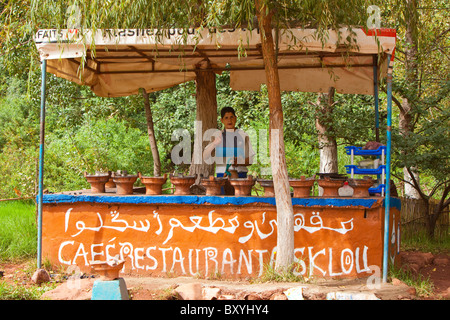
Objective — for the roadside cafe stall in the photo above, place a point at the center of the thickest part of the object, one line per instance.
(182, 234)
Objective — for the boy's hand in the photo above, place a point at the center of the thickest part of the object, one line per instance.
(217, 140)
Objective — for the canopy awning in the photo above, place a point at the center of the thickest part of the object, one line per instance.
(119, 62)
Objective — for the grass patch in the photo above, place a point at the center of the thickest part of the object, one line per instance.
(421, 242)
(272, 275)
(18, 232)
(424, 286)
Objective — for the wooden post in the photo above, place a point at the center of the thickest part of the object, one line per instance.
(206, 118)
(327, 142)
(151, 135)
(285, 214)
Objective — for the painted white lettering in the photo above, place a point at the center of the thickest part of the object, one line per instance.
(261, 261)
(347, 260)
(248, 261)
(312, 259)
(93, 253)
(163, 250)
(81, 252)
(230, 261)
(299, 262)
(330, 265)
(138, 257)
(155, 262)
(210, 254)
(364, 257)
(60, 256)
(196, 261)
(180, 260)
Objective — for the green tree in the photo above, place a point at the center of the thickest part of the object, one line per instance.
(421, 93)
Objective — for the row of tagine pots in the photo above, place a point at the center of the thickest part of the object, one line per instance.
(302, 187)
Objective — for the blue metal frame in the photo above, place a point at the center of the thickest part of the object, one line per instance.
(41, 161)
(388, 159)
(375, 94)
(388, 170)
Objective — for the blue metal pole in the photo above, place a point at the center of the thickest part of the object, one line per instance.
(387, 202)
(375, 95)
(41, 161)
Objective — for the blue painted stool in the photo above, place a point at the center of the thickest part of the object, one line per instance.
(110, 290)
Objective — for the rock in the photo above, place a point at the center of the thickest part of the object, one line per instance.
(278, 296)
(397, 282)
(190, 291)
(211, 293)
(267, 295)
(413, 268)
(294, 293)
(412, 291)
(421, 259)
(40, 276)
(351, 296)
(252, 296)
(226, 297)
(427, 257)
(446, 294)
(440, 261)
(80, 289)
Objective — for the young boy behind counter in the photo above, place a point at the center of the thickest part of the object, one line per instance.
(232, 146)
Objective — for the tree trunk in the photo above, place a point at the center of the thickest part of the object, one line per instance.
(327, 142)
(405, 117)
(285, 214)
(206, 118)
(151, 135)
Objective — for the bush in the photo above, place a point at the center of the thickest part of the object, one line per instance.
(100, 145)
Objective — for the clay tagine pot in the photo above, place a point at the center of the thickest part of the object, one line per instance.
(361, 187)
(330, 186)
(124, 182)
(153, 185)
(182, 183)
(243, 186)
(97, 181)
(108, 270)
(110, 183)
(213, 185)
(302, 187)
(268, 187)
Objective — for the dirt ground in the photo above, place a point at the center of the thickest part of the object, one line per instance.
(426, 265)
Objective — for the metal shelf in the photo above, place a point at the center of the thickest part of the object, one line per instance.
(357, 170)
(359, 151)
(381, 170)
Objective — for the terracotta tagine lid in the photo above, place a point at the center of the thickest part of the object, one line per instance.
(243, 186)
(124, 182)
(302, 187)
(361, 187)
(268, 187)
(330, 186)
(213, 185)
(107, 270)
(153, 185)
(182, 183)
(97, 181)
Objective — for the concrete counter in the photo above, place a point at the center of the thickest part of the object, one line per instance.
(216, 236)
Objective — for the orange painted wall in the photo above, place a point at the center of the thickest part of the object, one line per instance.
(205, 240)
